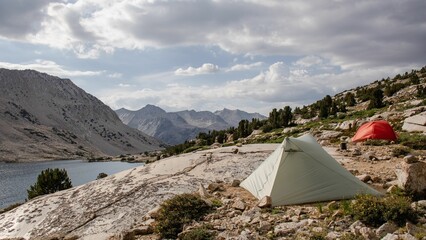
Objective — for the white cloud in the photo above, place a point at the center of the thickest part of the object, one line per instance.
(49, 67)
(309, 61)
(115, 75)
(351, 33)
(279, 85)
(206, 68)
(340, 44)
(244, 67)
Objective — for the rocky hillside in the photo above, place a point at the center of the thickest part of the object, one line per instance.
(177, 127)
(46, 117)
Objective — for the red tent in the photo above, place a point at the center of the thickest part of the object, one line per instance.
(375, 130)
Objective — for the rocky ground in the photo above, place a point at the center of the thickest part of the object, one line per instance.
(240, 217)
(121, 206)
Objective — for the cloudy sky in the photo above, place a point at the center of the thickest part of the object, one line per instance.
(253, 55)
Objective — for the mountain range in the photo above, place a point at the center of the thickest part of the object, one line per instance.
(176, 127)
(46, 117)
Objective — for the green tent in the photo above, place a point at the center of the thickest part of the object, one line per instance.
(301, 171)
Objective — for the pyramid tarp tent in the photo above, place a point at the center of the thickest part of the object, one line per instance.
(375, 130)
(301, 171)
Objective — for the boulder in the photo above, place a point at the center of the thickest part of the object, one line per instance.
(346, 125)
(414, 230)
(333, 235)
(407, 236)
(235, 183)
(419, 119)
(367, 233)
(143, 230)
(413, 111)
(213, 187)
(412, 177)
(265, 226)
(410, 127)
(203, 192)
(289, 227)
(153, 213)
(369, 155)
(364, 177)
(386, 228)
(356, 152)
(410, 159)
(265, 202)
(420, 206)
(416, 123)
(355, 227)
(328, 135)
(239, 205)
(287, 130)
(391, 236)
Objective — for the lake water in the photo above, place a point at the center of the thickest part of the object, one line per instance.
(16, 178)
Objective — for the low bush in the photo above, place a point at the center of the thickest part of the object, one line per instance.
(101, 175)
(376, 142)
(374, 211)
(415, 141)
(400, 151)
(369, 210)
(317, 236)
(345, 206)
(178, 211)
(199, 233)
(351, 236)
(398, 210)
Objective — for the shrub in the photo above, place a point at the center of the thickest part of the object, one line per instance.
(376, 142)
(415, 141)
(101, 175)
(400, 151)
(345, 205)
(50, 181)
(398, 210)
(199, 233)
(369, 210)
(178, 211)
(351, 236)
(374, 211)
(317, 236)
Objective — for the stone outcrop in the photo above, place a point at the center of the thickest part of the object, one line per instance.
(416, 123)
(412, 176)
(119, 202)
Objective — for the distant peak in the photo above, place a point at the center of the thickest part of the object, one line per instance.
(152, 108)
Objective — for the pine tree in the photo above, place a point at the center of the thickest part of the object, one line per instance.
(376, 99)
(50, 181)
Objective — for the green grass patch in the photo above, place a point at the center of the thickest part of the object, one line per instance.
(199, 233)
(415, 141)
